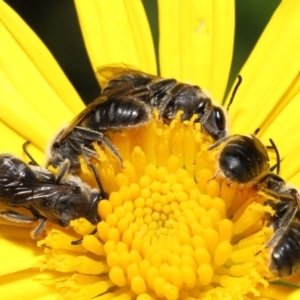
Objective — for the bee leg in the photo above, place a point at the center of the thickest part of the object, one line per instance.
(89, 152)
(219, 142)
(164, 87)
(92, 135)
(78, 146)
(36, 232)
(274, 185)
(17, 218)
(104, 195)
(78, 242)
(161, 86)
(284, 223)
(113, 149)
(64, 168)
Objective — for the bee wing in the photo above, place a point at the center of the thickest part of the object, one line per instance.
(119, 82)
(17, 192)
(106, 73)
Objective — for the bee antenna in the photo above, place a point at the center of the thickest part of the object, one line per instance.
(24, 146)
(256, 131)
(234, 91)
(277, 166)
(78, 242)
(97, 177)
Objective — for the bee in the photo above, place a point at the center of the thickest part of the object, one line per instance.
(285, 243)
(167, 96)
(242, 159)
(38, 191)
(128, 101)
(103, 115)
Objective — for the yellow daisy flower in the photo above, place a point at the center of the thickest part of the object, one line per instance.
(168, 229)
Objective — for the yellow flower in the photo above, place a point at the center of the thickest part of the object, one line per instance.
(168, 229)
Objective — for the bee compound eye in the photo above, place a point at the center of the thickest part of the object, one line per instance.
(76, 189)
(220, 118)
(201, 106)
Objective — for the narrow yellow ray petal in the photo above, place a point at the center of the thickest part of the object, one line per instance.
(277, 292)
(295, 180)
(284, 128)
(116, 32)
(281, 125)
(30, 285)
(17, 250)
(33, 66)
(289, 95)
(291, 169)
(222, 46)
(270, 70)
(196, 42)
(11, 142)
(21, 116)
(20, 76)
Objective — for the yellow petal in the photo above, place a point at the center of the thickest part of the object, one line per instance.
(32, 84)
(17, 113)
(17, 251)
(269, 124)
(29, 285)
(33, 67)
(11, 142)
(284, 133)
(196, 42)
(290, 167)
(269, 72)
(116, 32)
(279, 292)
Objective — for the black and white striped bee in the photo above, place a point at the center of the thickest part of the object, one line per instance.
(244, 160)
(285, 243)
(127, 101)
(46, 197)
(166, 95)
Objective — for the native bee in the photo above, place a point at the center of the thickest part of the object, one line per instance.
(104, 114)
(128, 101)
(58, 199)
(243, 159)
(285, 243)
(167, 96)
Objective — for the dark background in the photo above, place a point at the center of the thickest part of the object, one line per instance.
(55, 22)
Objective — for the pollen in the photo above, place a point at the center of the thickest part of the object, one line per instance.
(169, 229)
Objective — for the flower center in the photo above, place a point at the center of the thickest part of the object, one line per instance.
(170, 228)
